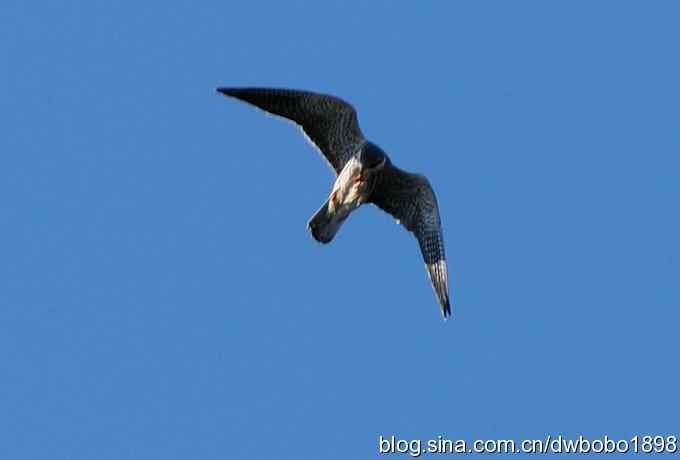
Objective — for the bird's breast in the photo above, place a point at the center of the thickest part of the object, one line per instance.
(351, 188)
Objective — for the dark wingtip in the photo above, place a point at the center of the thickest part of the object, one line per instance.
(446, 310)
(232, 92)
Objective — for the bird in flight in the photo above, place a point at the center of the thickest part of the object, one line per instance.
(365, 174)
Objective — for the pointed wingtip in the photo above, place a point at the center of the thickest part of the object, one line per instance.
(446, 311)
(228, 91)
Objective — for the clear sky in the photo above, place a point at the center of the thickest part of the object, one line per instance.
(160, 296)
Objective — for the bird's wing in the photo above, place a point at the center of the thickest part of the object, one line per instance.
(330, 123)
(409, 198)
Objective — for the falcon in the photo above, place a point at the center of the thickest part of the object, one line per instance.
(365, 174)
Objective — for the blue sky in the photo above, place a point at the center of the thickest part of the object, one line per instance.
(161, 298)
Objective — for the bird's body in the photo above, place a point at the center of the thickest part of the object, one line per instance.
(365, 174)
(352, 188)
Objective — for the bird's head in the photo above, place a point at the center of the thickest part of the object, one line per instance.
(358, 178)
(372, 158)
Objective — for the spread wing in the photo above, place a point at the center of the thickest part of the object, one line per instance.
(409, 198)
(330, 123)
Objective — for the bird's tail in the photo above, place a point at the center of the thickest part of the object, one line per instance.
(325, 223)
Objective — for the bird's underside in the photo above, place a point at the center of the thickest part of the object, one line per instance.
(365, 174)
